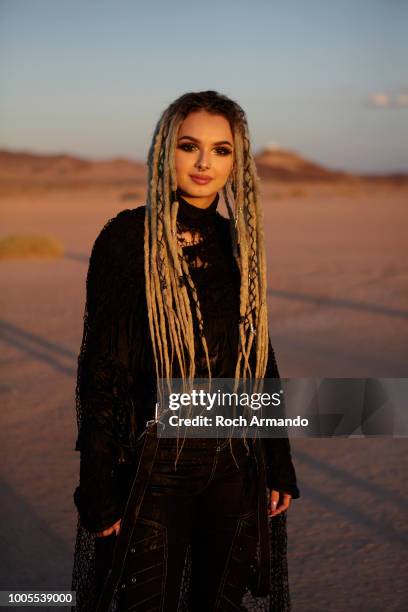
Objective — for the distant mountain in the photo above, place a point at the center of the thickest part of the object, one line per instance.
(60, 169)
(282, 165)
(27, 165)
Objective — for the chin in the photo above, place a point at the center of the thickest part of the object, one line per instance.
(195, 190)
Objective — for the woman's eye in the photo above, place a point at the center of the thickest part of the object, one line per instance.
(187, 146)
(223, 151)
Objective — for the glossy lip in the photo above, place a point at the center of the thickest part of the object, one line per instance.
(200, 178)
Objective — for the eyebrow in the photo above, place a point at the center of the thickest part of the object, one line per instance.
(220, 142)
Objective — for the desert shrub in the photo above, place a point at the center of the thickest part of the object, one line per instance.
(23, 246)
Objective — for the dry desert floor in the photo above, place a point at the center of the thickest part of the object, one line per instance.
(338, 302)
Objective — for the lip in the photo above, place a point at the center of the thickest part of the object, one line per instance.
(201, 179)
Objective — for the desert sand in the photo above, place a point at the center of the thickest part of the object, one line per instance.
(338, 304)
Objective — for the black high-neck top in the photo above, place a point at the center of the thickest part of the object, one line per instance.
(194, 215)
(208, 251)
(116, 384)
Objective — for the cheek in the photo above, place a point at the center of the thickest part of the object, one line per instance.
(225, 166)
(181, 163)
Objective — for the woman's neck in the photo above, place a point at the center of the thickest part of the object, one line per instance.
(189, 214)
(202, 202)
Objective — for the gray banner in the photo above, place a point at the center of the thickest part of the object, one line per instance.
(38, 599)
(287, 407)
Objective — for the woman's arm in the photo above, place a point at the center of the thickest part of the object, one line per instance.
(103, 380)
(280, 471)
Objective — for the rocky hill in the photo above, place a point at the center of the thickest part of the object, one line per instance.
(272, 163)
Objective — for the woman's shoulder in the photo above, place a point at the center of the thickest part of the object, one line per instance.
(225, 225)
(117, 257)
(119, 244)
(127, 225)
(223, 221)
(125, 222)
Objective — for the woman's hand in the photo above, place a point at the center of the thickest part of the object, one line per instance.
(279, 501)
(115, 528)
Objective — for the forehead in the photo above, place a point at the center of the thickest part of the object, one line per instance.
(205, 126)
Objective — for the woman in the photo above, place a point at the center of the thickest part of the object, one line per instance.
(174, 289)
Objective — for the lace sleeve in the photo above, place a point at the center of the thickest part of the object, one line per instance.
(280, 471)
(103, 399)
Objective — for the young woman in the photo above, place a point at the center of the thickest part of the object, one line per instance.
(176, 290)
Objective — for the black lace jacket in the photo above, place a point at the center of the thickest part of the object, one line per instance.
(116, 384)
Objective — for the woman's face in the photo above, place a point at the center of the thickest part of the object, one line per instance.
(204, 149)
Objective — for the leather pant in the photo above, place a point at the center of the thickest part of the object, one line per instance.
(208, 502)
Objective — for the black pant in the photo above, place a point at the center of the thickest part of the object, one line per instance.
(208, 502)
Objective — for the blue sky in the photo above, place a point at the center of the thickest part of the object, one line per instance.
(327, 79)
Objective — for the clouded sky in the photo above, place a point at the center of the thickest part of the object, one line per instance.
(325, 78)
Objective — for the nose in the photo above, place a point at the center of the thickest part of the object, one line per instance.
(203, 162)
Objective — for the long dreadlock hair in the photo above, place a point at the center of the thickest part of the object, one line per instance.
(166, 271)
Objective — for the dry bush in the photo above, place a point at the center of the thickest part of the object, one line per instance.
(297, 192)
(19, 246)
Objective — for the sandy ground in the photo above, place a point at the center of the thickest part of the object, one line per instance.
(338, 304)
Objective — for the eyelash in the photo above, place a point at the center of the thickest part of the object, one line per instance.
(225, 150)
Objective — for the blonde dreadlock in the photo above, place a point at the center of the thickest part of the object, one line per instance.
(166, 271)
